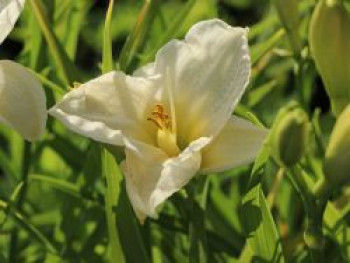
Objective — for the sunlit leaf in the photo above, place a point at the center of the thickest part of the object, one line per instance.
(262, 235)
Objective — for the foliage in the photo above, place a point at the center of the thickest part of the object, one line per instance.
(54, 199)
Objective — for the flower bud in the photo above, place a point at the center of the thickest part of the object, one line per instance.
(337, 160)
(289, 15)
(329, 40)
(289, 137)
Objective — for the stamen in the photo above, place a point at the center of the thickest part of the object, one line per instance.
(159, 108)
(166, 138)
(160, 118)
(155, 122)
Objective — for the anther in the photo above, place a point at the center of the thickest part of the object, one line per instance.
(160, 118)
(155, 122)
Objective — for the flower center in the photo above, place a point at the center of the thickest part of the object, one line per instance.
(166, 137)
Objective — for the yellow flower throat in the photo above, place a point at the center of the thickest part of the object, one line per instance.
(166, 136)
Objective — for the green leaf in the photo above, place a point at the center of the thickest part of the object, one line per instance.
(107, 55)
(69, 152)
(64, 186)
(260, 162)
(198, 194)
(33, 45)
(137, 36)
(222, 213)
(261, 49)
(129, 230)
(23, 222)
(263, 237)
(244, 112)
(16, 149)
(337, 228)
(66, 68)
(69, 17)
(258, 94)
(113, 177)
(246, 254)
(6, 164)
(172, 30)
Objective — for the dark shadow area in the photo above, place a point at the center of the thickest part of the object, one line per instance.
(248, 208)
(319, 98)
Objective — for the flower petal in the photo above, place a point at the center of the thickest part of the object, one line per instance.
(22, 100)
(207, 73)
(9, 13)
(109, 106)
(152, 177)
(237, 144)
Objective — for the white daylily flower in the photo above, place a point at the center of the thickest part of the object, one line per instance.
(9, 13)
(174, 115)
(22, 99)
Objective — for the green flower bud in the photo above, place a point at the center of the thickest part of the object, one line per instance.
(289, 137)
(289, 15)
(329, 40)
(337, 161)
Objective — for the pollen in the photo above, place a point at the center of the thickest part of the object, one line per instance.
(166, 136)
(160, 118)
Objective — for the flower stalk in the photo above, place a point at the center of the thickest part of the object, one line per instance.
(314, 208)
(288, 145)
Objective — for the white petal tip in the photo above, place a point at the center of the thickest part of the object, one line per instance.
(22, 101)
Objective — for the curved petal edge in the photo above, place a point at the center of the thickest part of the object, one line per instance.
(22, 100)
(9, 13)
(238, 144)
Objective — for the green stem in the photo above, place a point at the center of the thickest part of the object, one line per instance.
(317, 130)
(313, 234)
(272, 195)
(300, 184)
(26, 159)
(107, 55)
(51, 85)
(299, 83)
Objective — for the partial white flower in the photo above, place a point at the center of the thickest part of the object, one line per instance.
(22, 100)
(174, 115)
(9, 13)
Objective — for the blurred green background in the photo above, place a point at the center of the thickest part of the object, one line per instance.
(53, 190)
